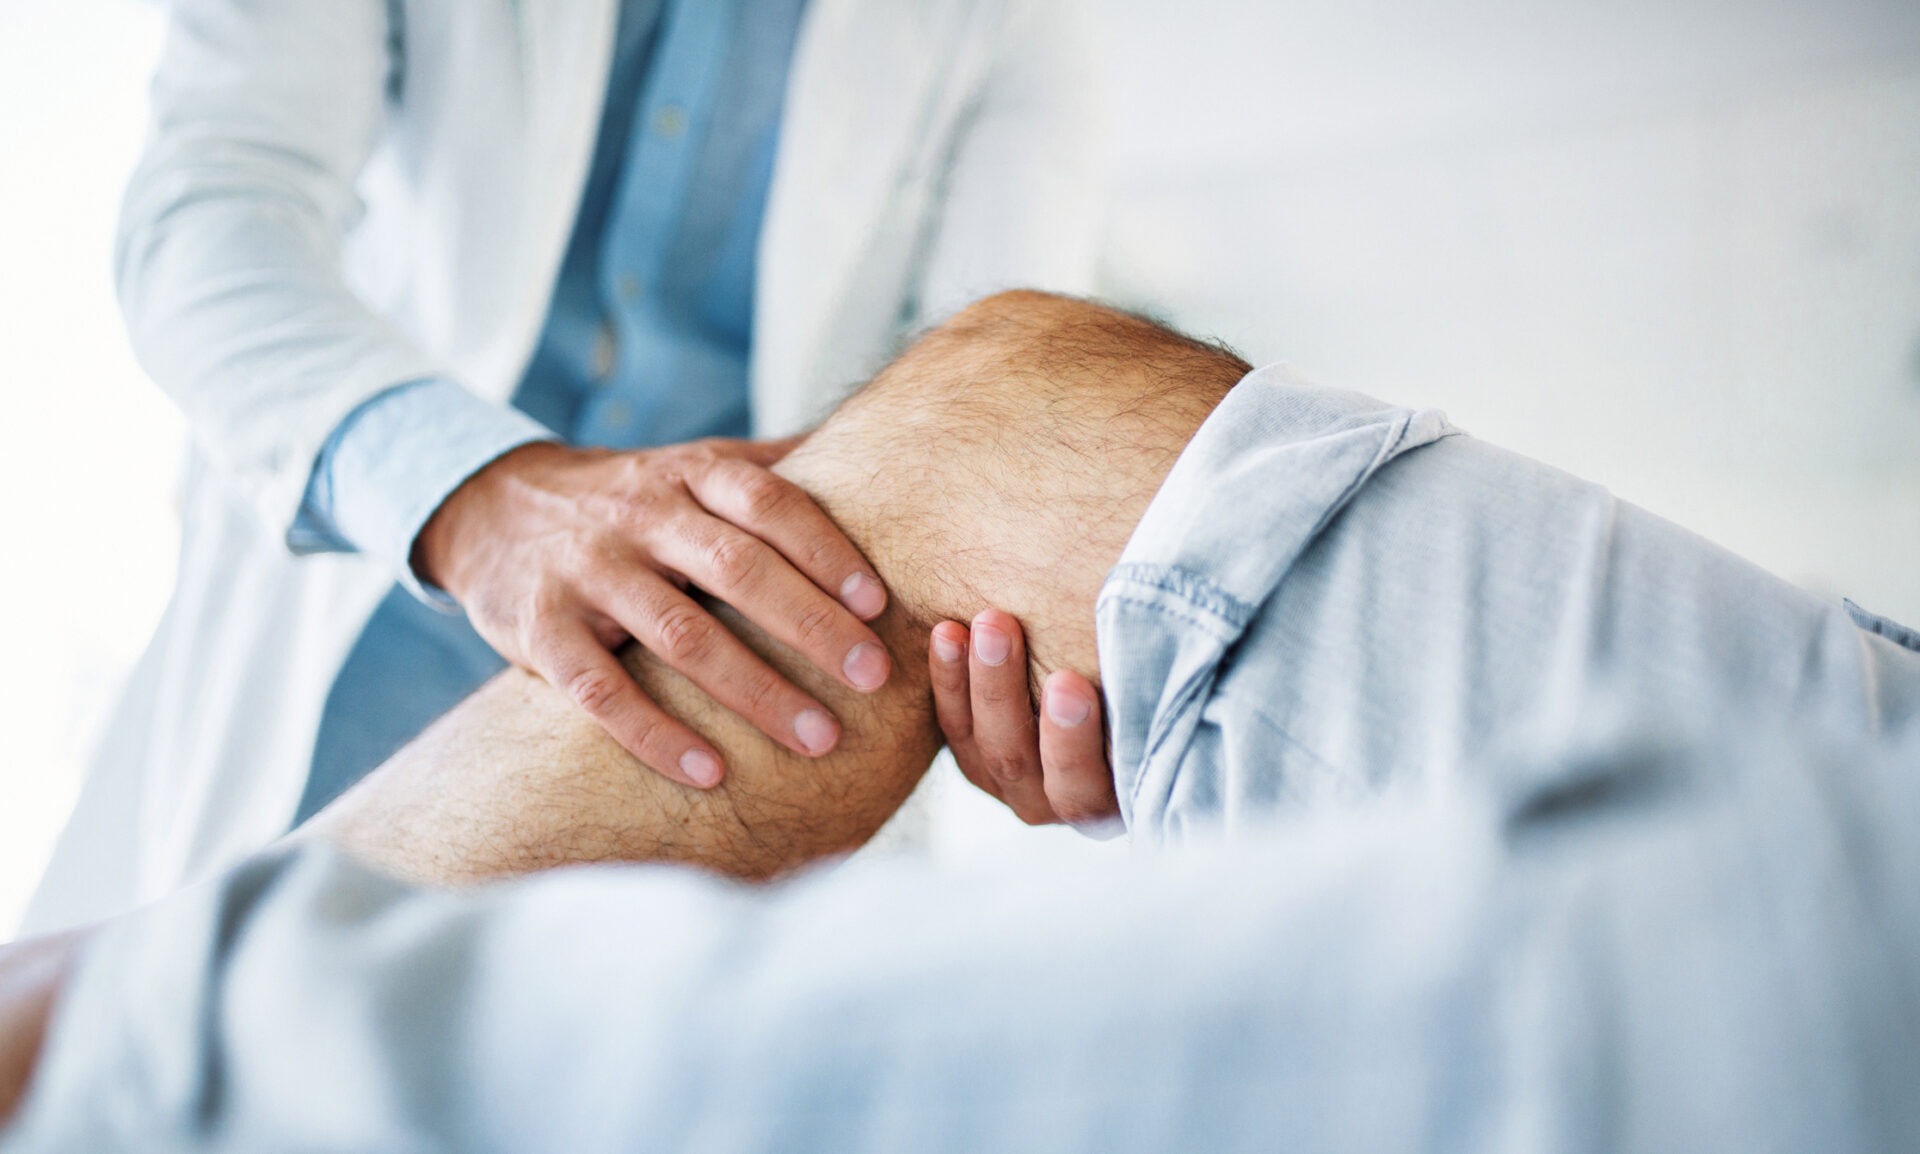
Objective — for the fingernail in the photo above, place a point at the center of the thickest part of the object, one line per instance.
(992, 645)
(1066, 709)
(701, 768)
(867, 666)
(817, 731)
(863, 596)
(947, 649)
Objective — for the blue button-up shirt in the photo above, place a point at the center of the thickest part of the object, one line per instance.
(646, 343)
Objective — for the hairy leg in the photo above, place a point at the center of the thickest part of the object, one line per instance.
(517, 779)
(1003, 460)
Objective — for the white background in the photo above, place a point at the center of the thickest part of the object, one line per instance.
(1673, 245)
(86, 518)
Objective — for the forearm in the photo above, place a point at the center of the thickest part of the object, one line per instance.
(518, 779)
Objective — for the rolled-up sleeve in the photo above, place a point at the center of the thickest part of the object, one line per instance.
(391, 464)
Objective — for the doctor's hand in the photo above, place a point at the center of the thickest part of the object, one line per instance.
(1048, 769)
(559, 555)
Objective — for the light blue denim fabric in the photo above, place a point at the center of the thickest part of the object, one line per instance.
(1331, 596)
(1706, 949)
(1367, 927)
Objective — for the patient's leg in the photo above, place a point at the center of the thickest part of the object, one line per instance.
(1003, 460)
(516, 778)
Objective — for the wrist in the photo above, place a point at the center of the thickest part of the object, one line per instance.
(394, 460)
(462, 518)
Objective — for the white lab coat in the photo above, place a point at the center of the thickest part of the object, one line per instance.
(343, 195)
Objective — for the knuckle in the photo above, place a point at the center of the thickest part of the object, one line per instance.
(595, 690)
(1005, 694)
(637, 509)
(492, 611)
(760, 693)
(609, 633)
(1008, 769)
(544, 658)
(650, 738)
(652, 474)
(579, 555)
(638, 473)
(956, 725)
(733, 558)
(824, 554)
(684, 462)
(547, 648)
(683, 634)
(949, 683)
(815, 624)
(763, 496)
(706, 450)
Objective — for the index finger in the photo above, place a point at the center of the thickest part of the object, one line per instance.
(953, 702)
(783, 515)
(575, 663)
(1004, 733)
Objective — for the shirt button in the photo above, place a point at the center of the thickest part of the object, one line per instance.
(628, 286)
(617, 417)
(670, 121)
(603, 353)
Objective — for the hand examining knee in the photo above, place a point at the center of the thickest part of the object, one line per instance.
(1047, 767)
(560, 555)
(517, 779)
(1003, 460)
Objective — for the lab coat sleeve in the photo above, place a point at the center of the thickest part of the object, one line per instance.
(1024, 192)
(230, 259)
